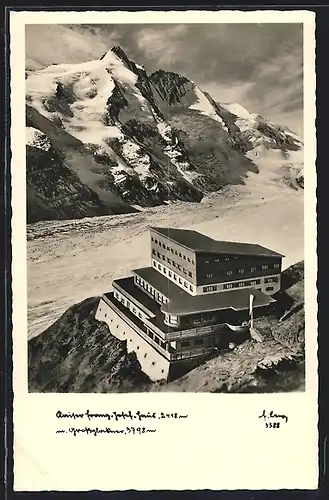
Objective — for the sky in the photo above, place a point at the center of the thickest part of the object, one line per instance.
(260, 66)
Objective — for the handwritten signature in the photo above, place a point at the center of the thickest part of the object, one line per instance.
(269, 415)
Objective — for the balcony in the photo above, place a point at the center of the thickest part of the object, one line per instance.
(196, 353)
(134, 323)
(197, 332)
(135, 295)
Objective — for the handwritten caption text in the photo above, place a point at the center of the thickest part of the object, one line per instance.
(126, 420)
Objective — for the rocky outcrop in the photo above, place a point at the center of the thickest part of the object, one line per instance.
(300, 178)
(170, 86)
(54, 191)
(79, 354)
(59, 177)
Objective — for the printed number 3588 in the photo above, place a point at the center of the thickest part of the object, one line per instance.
(274, 425)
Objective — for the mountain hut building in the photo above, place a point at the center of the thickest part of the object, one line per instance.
(197, 296)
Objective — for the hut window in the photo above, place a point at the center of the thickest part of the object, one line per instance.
(209, 289)
(174, 320)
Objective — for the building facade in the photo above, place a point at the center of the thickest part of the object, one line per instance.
(194, 298)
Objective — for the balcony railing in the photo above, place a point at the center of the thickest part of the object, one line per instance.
(171, 354)
(191, 354)
(196, 332)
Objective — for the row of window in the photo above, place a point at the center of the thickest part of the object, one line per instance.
(173, 275)
(171, 319)
(156, 339)
(243, 270)
(157, 295)
(198, 320)
(234, 257)
(228, 286)
(188, 343)
(204, 318)
(223, 259)
(210, 341)
(212, 288)
(172, 263)
(137, 313)
(167, 247)
(271, 280)
(127, 304)
(240, 284)
(184, 343)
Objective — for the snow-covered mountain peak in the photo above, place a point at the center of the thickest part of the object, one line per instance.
(259, 131)
(142, 139)
(119, 52)
(238, 110)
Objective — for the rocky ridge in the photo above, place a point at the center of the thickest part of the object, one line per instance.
(104, 137)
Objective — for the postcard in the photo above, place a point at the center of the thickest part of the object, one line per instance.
(164, 250)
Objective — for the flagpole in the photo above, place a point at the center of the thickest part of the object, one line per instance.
(251, 299)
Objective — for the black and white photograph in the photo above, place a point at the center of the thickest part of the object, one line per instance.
(165, 207)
